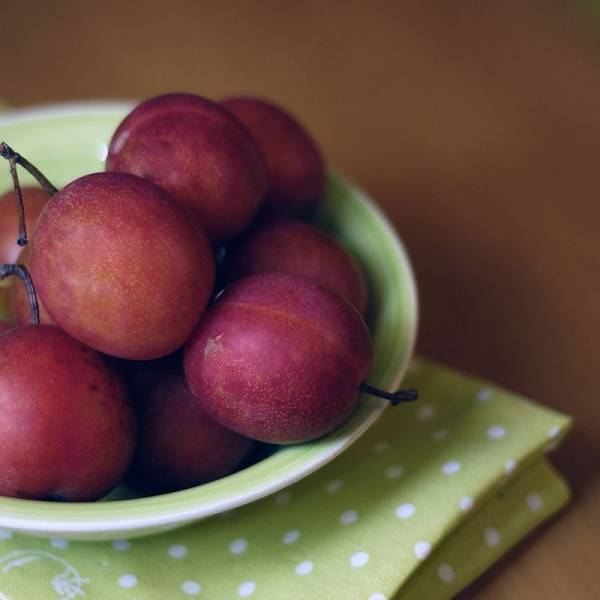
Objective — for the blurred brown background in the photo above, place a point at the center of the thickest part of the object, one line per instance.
(476, 125)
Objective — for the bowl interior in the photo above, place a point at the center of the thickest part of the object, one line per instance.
(70, 140)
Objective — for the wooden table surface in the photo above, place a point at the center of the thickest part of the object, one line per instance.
(476, 125)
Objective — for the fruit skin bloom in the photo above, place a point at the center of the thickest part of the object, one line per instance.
(278, 358)
(121, 267)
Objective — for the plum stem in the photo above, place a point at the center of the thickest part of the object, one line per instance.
(22, 239)
(13, 157)
(22, 273)
(394, 397)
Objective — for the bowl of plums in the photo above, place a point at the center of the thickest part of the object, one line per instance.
(196, 312)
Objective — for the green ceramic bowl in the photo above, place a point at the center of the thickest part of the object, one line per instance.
(69, 140)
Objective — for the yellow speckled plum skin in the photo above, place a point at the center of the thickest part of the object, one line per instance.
(289, 246)
(121, 267)
(198, 152)
(294, 165)
(278, 358)
(67, 430)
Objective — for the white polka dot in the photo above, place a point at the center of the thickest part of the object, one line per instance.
(446, 572)
(425, 411)
(439, 434)
(5, 534)
(238, 546)
(509, 466)
(127, 581)
(466, 503)
(360, 559)
(451, 467)
(104, 563)
(381, 446)
(246, 589)
(535, 502)
(334, 485)
(491, 536)
(304, 568)
(289, 537)
(394, 472)
(59, 543)
(348, 517)
(483, 395)
(191, 588)
(405, 511)
(121, 545)
(378, 596)
(496, 432)
(283, 498)
(178, 551)
(422, 550)
(553, 431)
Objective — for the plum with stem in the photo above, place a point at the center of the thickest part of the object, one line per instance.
(279, 358)
(121, 267)
(180, 445)
(19, 301)
(34, 199)
(11, 229)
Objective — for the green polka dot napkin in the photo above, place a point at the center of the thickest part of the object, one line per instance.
(430, 497)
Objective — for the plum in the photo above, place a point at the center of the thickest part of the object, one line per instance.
(197, 151)
(288, 246)
(18, 301)
(5, 325)
(278, 358)
(34, 199)
(296, 173)
(179, 445)
(122, 267)
(67, 430)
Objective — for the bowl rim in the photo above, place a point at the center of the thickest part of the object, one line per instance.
(94, 517)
